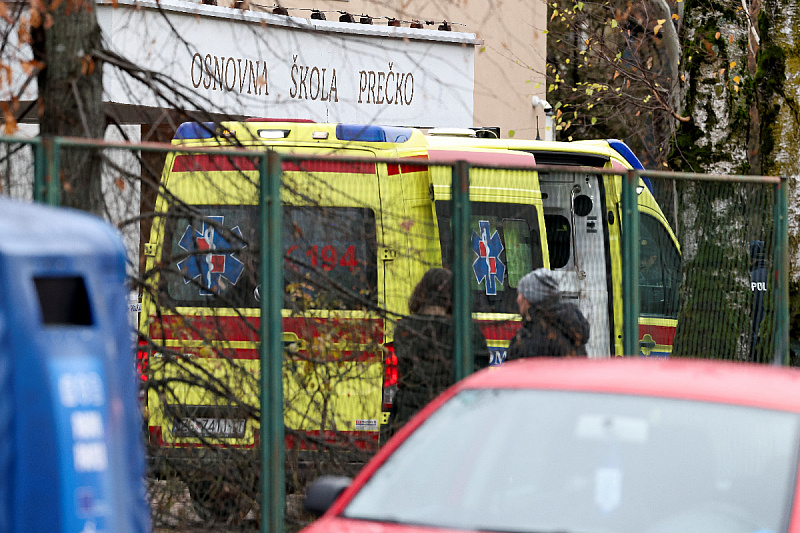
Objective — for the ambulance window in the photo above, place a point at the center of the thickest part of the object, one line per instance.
(516, 235)
(211, 255)
(506, 246)
(330, 257)
(659, 269)
(559, 240)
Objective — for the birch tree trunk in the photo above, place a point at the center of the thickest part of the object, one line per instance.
(786, 132)
(731, 75)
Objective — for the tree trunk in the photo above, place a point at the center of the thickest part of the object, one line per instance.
(731, 76)
(71, 95)
(785, 129)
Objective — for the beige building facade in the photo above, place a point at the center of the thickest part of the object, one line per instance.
(509, 58)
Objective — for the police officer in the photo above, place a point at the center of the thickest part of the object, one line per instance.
(758, 286)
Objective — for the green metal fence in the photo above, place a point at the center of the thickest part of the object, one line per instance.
(714, 274)
(755, 209)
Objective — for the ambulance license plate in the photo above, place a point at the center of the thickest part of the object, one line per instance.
(209, 427)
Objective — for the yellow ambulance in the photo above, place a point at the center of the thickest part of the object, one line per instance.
(582, 215)
(366, 212)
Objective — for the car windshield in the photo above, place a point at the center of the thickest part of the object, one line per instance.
(545, 461)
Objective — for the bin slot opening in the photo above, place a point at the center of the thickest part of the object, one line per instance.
(63, 301)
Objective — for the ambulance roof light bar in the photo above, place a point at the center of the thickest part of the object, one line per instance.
(344, 132)
(368, 133)
(622, 149)
(196, 130)
(210, 130)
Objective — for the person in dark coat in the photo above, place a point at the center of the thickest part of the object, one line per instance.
(550, 327)
(758, 285)
(423, 343)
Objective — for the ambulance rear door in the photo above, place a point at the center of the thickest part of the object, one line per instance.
(335, 280)
(578, 240)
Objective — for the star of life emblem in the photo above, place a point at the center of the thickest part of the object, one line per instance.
(488, 265)
(212, 256)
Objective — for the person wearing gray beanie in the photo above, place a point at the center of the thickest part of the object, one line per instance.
(538, 286)
(550, 327)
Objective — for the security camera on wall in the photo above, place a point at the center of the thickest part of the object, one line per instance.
(548, 118)
(546, 107)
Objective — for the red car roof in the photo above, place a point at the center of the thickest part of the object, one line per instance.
(756, 385)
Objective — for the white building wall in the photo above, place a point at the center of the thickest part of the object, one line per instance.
(264, 65)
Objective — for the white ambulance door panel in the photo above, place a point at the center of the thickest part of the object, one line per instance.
(573, 211)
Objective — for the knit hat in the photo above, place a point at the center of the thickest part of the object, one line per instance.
(538, 286)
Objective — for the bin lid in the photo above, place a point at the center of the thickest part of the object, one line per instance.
(35, 229)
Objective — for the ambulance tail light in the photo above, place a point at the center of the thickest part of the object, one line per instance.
(389, 377)
(142, 359)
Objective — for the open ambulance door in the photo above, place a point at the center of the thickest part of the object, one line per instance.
(578, 241)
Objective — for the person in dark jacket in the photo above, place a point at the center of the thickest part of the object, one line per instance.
(758, 285)
(423, 343)
(550, 327)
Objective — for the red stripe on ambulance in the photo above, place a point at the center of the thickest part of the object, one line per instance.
(219, 163)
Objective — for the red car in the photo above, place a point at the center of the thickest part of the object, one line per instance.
(579, 446)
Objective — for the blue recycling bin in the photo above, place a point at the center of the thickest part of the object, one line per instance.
(71, 448)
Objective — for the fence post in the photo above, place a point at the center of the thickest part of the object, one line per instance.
(630, 264)
(39, 170)
(462, 295)
(781, 287)
(51, 151)
(273, 492)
